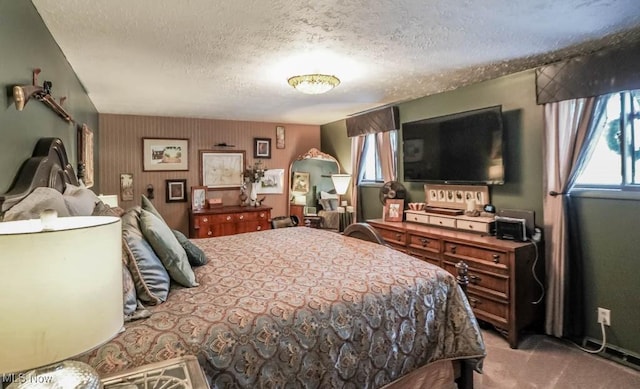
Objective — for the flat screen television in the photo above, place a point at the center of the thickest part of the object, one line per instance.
(462, 148)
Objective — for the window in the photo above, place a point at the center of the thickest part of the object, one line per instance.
(371, 169)
(615, 161)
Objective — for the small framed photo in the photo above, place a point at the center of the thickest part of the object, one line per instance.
(165, 154)
(394, 210)
(272, 182)
(279, 137)
(300, 182)
(126, 186)
(176, 191)
(262, 147)
(198, 197)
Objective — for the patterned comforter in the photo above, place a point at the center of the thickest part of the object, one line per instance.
(301, 307)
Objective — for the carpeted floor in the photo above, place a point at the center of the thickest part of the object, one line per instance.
(546, 362)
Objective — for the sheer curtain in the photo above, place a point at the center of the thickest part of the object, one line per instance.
(386, 152)
(570, 127)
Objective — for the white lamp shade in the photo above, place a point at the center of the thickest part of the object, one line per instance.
(61, 289)
(341, 182)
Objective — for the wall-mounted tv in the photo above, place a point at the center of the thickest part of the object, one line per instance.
(464, 147)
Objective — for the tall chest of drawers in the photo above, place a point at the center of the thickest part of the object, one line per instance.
(228, 220)
(503, 289)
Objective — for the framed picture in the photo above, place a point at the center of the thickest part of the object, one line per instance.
(165, 154)
(126, 186)
(272, 182)
(198, 197)
(262, 147)
(85, 154)
(300, 182)
(221, 169)
(393, 210)
(175, 191)
(279, 137)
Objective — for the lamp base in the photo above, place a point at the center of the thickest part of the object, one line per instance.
(62, 375)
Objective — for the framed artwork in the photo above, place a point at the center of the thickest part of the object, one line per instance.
(393, 210)
(221, 169)
(198, 197)
(175, 191)
(126, 186)
(279, 137)
(300, 182)
(165, 154)
(85, 154)
(272, 182)
(262, 147)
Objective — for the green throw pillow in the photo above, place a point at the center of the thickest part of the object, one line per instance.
(194, 254)
(168, 249)
(147, 205)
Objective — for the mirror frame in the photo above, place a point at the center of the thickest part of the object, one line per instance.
(313, 154)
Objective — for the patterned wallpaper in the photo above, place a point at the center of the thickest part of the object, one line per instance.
(120, 151)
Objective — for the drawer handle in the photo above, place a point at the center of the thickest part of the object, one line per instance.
(471, 226)
(474, 302)
(440, 222)
(228, 217)
(424, 242)
(205, 220)
(209, 233)
(496, 258)
(453, 249)
(262, 214)
(474, 279)
(398, 236)
(241, 217)
(259, 228)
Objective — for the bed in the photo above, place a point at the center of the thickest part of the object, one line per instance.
(295, 307)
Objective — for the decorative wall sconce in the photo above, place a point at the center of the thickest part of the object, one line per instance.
(22, 94)
(150, 192)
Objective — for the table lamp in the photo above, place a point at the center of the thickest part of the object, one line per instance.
(341, 184)
(61, 296)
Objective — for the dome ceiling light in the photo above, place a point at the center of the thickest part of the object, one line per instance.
(314, 84)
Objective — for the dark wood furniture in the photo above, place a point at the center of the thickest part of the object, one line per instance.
(228, 220)
(297, 210)
(502, 288)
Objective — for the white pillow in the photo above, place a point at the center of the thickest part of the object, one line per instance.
(79, 200)
(328, 196)
(40, 199)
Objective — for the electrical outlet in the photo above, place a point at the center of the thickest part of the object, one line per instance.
(604, 316)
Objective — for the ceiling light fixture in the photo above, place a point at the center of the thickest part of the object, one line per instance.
(314, 84)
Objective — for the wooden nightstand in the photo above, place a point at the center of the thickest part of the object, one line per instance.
(177, 373)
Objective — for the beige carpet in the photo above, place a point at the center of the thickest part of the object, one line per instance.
(546, 362)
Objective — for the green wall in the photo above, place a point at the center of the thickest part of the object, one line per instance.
(607, 226)
(25, 44)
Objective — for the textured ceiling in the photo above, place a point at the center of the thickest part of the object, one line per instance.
(230, 59)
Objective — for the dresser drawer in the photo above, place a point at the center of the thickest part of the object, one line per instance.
(473, 226)
(496, 258)
(488, 281)
(442, 221)
(392, 237)
(417, 218)
(485, 308)
(424, 242)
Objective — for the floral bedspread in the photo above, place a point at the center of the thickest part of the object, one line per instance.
(302, 307)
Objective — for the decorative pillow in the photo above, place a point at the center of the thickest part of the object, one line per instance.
(326, 204)
(102, 209)
(79, 200)
(147, 205)
(328, 195)
(149, 275)
(40, 199)
(195, 256)
(128, 287)
(168, 249)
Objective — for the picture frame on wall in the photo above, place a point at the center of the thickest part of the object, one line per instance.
(126, 186)
(198, 197)
(85, 155)
(280, 137)
(165, 154)
(221, 169)
(175, 191)
(262, 147)
(394, 210)
(272, 182)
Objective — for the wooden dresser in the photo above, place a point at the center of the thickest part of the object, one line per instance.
(228, 220)
(502, 287)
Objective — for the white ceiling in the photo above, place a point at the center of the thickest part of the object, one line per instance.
(230, 59)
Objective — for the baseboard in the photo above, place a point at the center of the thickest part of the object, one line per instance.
(614, 353)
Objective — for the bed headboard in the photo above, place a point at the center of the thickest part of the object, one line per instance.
(48, 166)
